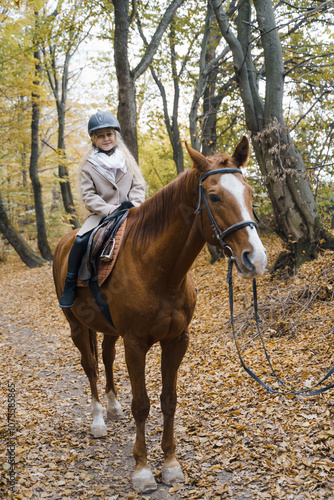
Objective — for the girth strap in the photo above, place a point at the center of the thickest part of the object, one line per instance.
(96, 292)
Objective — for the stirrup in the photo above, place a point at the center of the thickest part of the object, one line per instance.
(106, 255)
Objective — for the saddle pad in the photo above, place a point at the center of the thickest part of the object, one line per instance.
(104, 268)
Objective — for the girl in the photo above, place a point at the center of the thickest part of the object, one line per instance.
(109, 176)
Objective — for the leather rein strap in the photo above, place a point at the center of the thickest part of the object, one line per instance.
(220, 235)
(304, 392)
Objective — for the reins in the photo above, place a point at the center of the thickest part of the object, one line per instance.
(302, 392)
(220, 235)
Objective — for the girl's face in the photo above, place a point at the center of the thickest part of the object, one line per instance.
(105, 138)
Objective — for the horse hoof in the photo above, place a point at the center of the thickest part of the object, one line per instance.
(98, 431)
(144, 481)
(115, 413)
(172, 475)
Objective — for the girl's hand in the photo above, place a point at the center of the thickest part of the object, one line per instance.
(111, 211)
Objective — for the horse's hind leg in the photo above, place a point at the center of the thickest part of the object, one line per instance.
(172, 353)
(114, 409)
(85, 341)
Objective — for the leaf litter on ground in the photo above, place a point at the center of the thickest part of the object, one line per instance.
(234, 440)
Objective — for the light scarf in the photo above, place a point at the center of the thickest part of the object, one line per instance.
(108, 165)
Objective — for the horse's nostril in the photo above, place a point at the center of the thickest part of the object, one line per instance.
(246, 259)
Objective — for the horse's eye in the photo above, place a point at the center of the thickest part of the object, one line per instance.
(214, 198)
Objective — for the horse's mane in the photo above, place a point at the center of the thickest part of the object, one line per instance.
(151, 218)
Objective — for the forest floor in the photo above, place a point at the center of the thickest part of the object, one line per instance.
(234, 439)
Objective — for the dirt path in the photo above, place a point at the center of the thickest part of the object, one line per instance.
(57, 457)
(234, 440)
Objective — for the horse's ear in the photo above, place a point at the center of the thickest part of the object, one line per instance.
(242, 151)
(198, 159)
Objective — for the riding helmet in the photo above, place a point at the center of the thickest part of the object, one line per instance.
(103, 119)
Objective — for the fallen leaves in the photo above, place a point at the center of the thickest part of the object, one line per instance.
(233, 439)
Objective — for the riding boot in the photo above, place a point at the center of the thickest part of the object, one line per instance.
(74, 261)
(67, 299)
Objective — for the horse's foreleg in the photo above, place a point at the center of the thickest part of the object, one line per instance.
(171, 357)
(114, 409)
(85, 341)
(135, 354)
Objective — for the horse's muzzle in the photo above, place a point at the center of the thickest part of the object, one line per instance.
(252, 264)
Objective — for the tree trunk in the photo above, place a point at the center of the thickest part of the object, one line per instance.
(297, 218)
(211, 101)
(205, 87)
(65, 185)
(58, 77)
(201, 81)
(43, 244)
(172, 125)
(60, 95)
(175, 130)
(127, 113)
(27, 255)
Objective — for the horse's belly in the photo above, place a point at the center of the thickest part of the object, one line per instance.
(156, 319)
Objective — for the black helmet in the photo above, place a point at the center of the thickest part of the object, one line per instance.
(103, 119)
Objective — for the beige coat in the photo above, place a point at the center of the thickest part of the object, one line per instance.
(101, 196)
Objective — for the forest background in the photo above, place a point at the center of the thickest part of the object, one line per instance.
(206, 72)
(196, 70)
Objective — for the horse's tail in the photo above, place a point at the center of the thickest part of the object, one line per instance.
(93, 346)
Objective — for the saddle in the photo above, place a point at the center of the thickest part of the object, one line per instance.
(103, 247)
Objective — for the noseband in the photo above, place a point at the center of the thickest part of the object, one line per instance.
(220, 235)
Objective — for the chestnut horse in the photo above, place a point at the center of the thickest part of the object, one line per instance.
(152, 297)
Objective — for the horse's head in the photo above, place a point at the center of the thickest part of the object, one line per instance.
(225, 208)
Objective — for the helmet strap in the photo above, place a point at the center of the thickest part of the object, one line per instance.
(109, 152)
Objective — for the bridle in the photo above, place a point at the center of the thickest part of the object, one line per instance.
(220, 234)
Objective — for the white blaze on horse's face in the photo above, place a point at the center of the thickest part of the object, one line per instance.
(254, 260)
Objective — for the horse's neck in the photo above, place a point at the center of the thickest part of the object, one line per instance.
(188, 249)
(174, 249)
